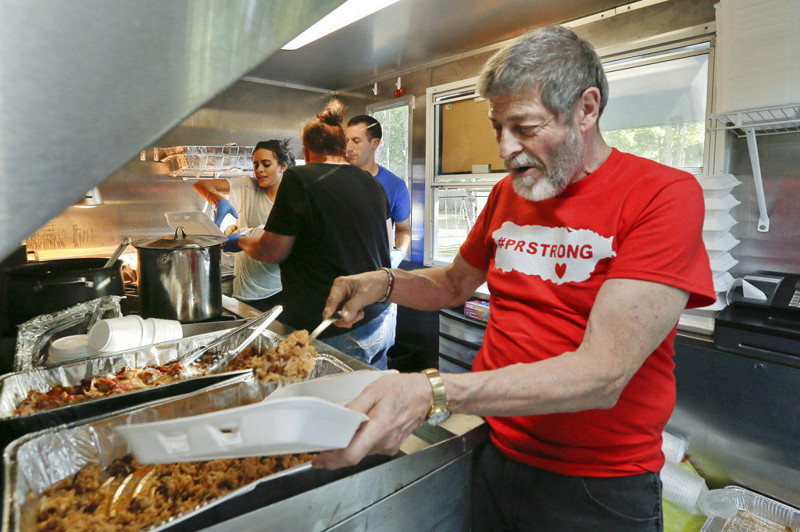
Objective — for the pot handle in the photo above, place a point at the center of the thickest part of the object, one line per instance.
(41, 285)
(182, 230)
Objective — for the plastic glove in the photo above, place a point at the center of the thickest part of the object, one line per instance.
(224, 207)
(396, 256)
(231, 245)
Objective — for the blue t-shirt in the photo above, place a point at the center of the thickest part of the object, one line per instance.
(397, 192)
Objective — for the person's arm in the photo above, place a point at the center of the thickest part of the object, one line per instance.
(629, 319)
(212, 190)
(270, 247)
(402, 235)
(426, 289)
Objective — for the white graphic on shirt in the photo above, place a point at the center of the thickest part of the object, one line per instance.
(557, 254)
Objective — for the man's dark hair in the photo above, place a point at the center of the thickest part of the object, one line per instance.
(373, 127)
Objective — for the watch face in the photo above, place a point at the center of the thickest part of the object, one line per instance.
(438, 416)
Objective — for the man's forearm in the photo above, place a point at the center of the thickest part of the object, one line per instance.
(402, 240)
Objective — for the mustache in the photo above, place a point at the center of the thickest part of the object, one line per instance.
(523, 159)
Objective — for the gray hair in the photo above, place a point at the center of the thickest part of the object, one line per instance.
(553, 60)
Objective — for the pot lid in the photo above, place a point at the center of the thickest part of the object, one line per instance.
(180, 240)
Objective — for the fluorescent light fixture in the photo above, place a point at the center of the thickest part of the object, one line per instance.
(344, 15)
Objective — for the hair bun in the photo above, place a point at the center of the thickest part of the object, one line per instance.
(333, 113)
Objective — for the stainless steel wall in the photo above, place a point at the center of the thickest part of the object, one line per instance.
(778, 249)
(86, 84)
(137, 196)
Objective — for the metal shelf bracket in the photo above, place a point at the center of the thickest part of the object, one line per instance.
(751, 123)
(752, 148)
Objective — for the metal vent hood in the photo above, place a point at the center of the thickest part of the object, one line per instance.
(86, 84)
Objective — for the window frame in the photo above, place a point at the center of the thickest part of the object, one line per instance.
(619, 57)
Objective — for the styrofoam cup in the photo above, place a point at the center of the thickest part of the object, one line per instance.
(682, 487)
(149, 332)
(116, 334)
(674, 447)
(166, 330)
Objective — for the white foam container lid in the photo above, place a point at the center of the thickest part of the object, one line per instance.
(302, 417)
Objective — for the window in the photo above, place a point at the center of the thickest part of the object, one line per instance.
(657, 108)
(393, 152)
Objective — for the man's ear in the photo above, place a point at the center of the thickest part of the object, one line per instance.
(375, 143)
(587, 110)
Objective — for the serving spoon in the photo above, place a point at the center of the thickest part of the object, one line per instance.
(324, 325)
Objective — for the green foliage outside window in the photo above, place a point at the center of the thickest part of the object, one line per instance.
(680, 145)
(393, 151)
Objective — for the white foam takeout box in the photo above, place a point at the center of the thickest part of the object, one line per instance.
(307, 416)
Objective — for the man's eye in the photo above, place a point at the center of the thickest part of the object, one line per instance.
(528, 131)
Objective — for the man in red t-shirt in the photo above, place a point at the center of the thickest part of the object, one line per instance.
(590, 255)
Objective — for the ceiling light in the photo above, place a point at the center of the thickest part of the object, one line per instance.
(344, 15)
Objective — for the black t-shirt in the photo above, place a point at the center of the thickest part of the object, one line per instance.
(337, 214)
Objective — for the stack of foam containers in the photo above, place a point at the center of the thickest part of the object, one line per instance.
(719, 242)
(757, 54)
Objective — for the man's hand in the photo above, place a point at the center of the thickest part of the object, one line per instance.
(232, 243)
(223, 208)
(396, 405)
(353, 293)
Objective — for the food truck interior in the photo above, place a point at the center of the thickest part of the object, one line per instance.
(91, 94)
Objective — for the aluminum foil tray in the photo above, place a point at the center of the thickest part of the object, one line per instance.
(756, 514)
(36, 461)
(14, 387)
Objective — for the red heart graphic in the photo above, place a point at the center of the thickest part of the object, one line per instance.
(561, 269)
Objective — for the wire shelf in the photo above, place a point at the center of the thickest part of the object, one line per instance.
(763, 121)
(194, 162)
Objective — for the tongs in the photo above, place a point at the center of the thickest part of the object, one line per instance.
(324, 325)
(261, 323)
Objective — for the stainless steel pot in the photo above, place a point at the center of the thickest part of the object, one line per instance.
(180, 277)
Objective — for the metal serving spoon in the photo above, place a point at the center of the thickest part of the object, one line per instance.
(324, 325)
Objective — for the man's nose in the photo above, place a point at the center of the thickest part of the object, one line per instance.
(507, 144)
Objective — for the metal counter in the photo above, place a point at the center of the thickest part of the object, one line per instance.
(425, 487)
(740, 416)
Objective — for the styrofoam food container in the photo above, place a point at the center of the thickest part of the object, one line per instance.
(338, 388)
(302, 417)
(281, 426)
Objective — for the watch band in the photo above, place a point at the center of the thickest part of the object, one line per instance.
(441, 406)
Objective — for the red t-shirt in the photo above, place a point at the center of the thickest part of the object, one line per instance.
(545, 261)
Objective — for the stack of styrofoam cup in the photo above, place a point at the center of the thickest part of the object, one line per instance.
(674, 447)
(164, 330)
(118, 334)
(68, 348)
(682, 487)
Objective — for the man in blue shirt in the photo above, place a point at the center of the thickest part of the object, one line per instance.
(363, 138)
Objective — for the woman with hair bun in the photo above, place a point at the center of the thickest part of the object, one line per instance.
(329, 219)
(250, 200)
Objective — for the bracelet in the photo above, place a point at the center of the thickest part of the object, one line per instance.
(389, 286)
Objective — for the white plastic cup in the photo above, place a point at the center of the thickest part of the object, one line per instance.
(68, 348)
(165, 330)
(674, 447)
(149, 332)
(682, 487)
(116, 334)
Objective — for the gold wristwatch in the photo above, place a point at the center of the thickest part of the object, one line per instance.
(441, 407)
